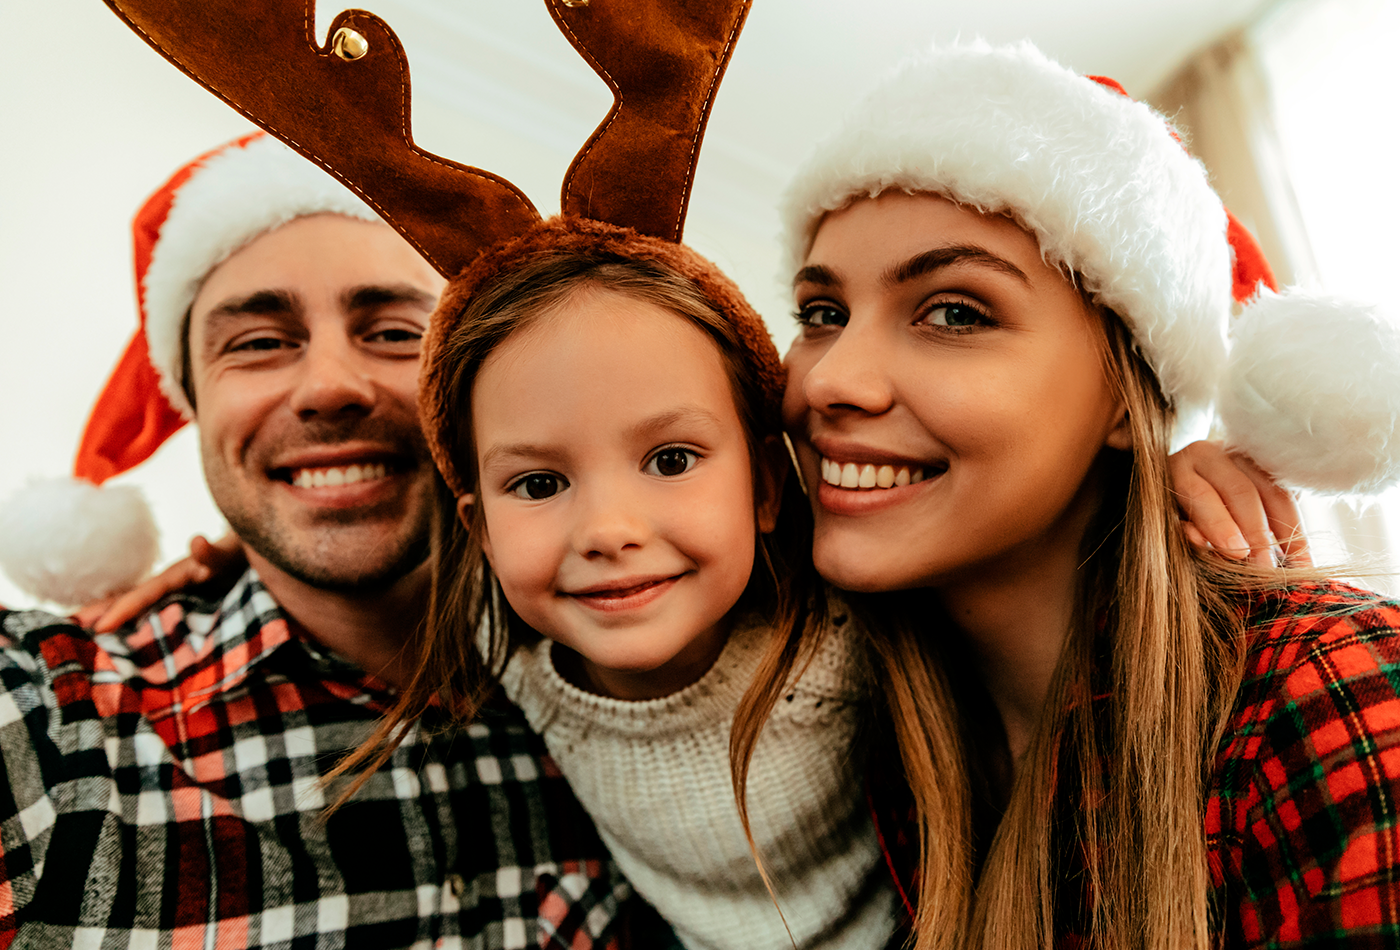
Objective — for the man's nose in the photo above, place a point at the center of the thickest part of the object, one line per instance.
(334, 379)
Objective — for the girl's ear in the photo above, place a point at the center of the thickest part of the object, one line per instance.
(1121, 435)
(774, 463)
(465, 504)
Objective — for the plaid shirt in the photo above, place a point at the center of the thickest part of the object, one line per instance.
(163, 789)
(1302, 821)
(1303, 815)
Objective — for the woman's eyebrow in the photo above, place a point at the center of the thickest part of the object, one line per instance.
(940, 257)
(818, 274)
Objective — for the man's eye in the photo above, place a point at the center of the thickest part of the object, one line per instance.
(821, 315)
(671, 462)
(397, 335)
(538, 485)
(955, 315)
(259, 343)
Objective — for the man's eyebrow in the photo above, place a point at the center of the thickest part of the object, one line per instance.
(258, 302)
(818, 274)
(940, 257)
(370, 296)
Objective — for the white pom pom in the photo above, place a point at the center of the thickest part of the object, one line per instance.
(1312, 392)
(70, 542)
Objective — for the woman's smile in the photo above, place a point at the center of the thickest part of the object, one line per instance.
(946, 396)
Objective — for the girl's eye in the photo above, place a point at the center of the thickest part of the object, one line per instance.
(955, 315)
(821, 315)
(538, 485)
(671, 462)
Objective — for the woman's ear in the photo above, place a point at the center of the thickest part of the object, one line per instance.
(1121, 435)
(465, 503)
(774, 463)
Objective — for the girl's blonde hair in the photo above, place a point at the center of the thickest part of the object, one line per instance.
(1115, 777)
(470, 631)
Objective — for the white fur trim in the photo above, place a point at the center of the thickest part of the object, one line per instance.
(70, 542)
(1097, 177)
(235, 196)
(1313, 392)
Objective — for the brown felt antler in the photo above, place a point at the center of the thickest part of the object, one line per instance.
(346, 107)
(663, 62)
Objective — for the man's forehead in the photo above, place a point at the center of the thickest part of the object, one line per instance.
(324, 255)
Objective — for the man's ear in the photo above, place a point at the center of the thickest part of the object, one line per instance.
(1121, 435)
(774, 464)
(465, 503)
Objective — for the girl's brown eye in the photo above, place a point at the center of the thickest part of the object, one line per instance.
(671, 462)
(537, 486)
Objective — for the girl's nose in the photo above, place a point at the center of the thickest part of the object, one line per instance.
(612, 521)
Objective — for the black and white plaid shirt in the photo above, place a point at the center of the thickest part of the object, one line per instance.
(163, 789)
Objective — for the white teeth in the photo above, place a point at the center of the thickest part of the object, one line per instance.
(851, 475)
(333, 477)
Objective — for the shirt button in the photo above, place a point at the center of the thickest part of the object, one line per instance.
(455, 884)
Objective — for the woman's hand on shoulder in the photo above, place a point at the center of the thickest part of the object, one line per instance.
(1230, 505)
(206, 560)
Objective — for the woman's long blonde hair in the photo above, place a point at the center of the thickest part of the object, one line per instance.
(1114, 781)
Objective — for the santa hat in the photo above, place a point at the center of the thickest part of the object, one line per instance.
(68, 541)
(1308, 386)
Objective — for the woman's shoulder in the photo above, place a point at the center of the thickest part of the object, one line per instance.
(1306, 638)
(1321, 668)
(1302, 820)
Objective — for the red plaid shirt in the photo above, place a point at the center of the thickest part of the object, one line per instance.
(163, 789)
(1302, 819)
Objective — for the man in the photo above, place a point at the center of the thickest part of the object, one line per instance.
(167, 786)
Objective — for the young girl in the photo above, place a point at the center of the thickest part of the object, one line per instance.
(604, 409)
(1013, 284)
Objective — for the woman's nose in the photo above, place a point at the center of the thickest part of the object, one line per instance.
(851, 374)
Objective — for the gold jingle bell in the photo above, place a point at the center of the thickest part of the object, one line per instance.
(348, 44)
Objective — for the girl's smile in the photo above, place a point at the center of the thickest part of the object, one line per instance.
(617, 490)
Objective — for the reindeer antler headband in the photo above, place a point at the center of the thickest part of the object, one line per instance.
(346, 106)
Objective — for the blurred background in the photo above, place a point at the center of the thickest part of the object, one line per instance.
(1291, 104)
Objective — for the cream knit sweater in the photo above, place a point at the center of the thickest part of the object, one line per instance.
(655, 777)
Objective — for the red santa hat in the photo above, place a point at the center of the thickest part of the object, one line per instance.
(68, 541)
(1308, 386)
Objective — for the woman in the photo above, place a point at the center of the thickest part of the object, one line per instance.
(1012, 283)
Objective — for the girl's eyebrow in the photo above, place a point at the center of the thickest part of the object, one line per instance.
(519, 450)
(693, 415)
(940, 257)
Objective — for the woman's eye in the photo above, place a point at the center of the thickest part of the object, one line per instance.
(955, 315)
(821, 315)
(538, 485)
(670, 462)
